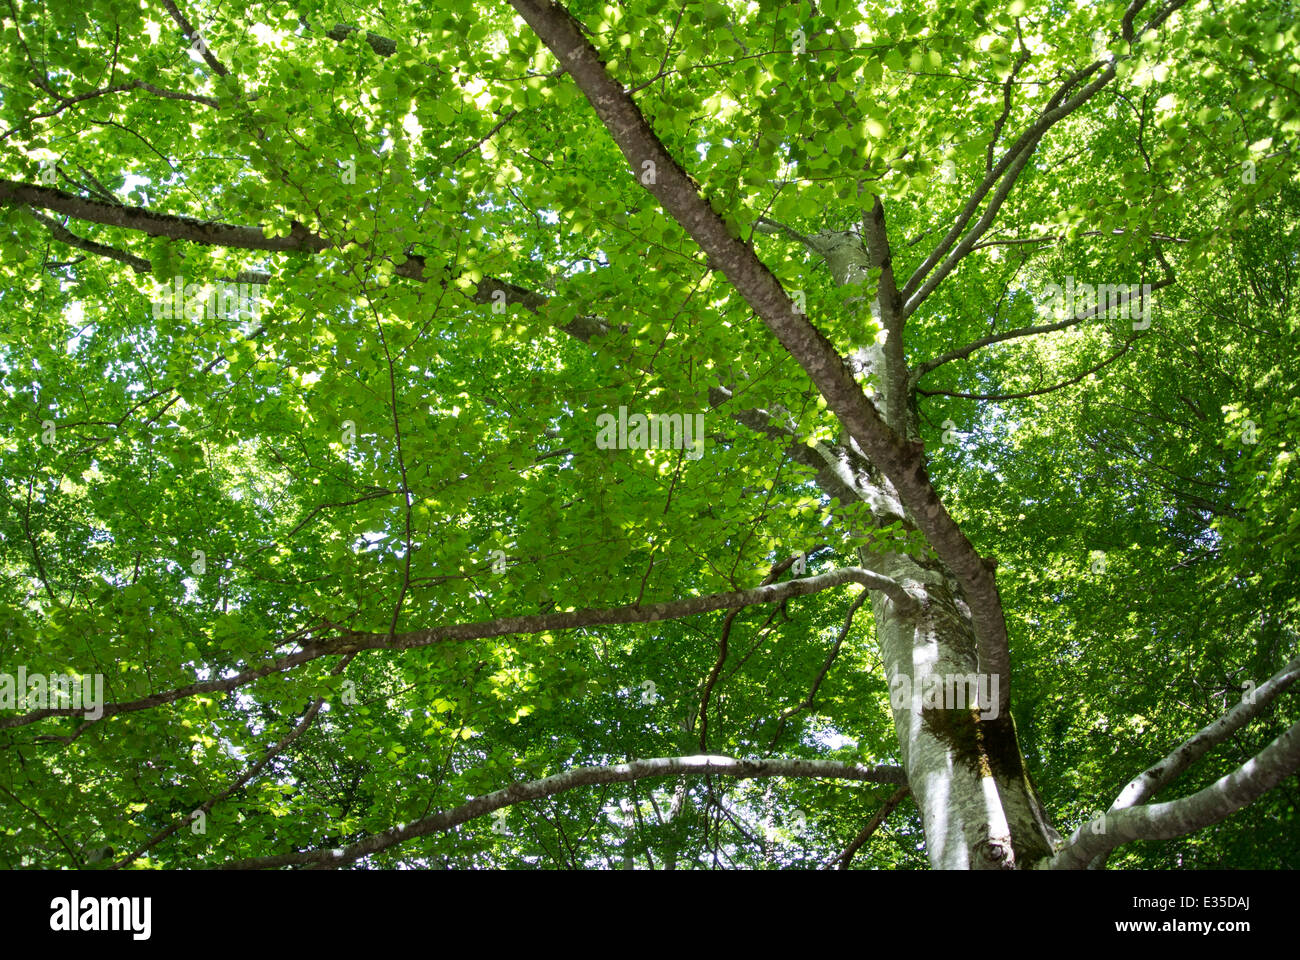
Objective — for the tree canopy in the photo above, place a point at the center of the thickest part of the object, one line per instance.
(310, 315)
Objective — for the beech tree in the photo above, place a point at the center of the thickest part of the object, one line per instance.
(681, 435)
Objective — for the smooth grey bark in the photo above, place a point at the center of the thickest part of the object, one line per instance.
(1159, 775)
(1153, 779)
(1162, 821)
(966, 773)
(966, 770)
(978, 806)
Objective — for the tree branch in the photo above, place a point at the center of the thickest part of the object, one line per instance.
(768, 225)
(1164, 821)
(138, 264)
(569, 780)
(383, 46)
(195, 40)
(961, 353)
(1054, 237)
(1026, 141)
(232, 236)
(901, 461)
(153, 224)
(1006, 104)
(1159, 775)
(307, 719)
(1040, 390)
(807, 702)
(65, 102)
(353, 642)
(1008, 169)
(873, 825)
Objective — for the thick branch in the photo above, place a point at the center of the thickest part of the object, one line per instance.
(150, 223)
(1156, 777)
(383, 46)
(634, 613)
(569, 780)
(138, 264)
(352, 642)
(238, 237)
(1159, 775)
(195, 40)
(875, 236)
(1163, 821)
(901, 462)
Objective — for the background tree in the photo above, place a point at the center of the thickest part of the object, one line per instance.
(353, 556)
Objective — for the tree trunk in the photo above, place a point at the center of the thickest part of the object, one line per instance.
(964, 764)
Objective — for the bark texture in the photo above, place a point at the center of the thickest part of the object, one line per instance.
(967, 774)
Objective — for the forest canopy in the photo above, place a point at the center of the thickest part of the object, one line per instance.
(689, 435)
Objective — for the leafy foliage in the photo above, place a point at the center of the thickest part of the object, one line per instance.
(187, 496)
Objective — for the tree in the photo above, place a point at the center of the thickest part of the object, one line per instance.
(692, 434)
